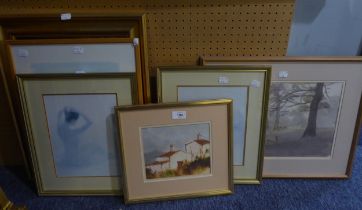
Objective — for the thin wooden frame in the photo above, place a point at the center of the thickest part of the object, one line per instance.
(163, 110)
(83, 25)
(94, 41)
(5, 203)
(182, 79)
(46, 180)
(319, 69)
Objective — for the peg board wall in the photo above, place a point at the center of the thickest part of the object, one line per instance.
(180, 31)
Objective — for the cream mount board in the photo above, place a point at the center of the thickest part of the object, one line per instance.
(74, 58)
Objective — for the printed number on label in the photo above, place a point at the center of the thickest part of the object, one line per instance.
(179, 115)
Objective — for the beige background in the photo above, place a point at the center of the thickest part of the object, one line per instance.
(171, 79)
(131, 121)
(41, 148)
(351, 74)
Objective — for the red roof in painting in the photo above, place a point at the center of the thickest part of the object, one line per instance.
(202, 141)
(168, 154)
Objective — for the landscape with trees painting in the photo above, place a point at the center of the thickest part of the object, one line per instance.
(302, 118)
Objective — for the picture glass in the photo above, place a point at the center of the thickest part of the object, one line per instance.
(83, 134)
(176, 151)
(239, 95)
(302, 118)
(61, 58)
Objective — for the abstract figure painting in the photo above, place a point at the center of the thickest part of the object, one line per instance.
(71, 126)
(176, 151)
(302, 118)
(238, 94)
(83, 138)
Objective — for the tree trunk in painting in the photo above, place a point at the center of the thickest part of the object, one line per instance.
(311, 129)
(277, 108)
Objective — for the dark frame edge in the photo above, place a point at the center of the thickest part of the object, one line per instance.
(354, 144)
(264, 118)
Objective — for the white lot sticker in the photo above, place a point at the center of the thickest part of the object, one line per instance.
(136, 41)
(23, 53)
(283, 74)
(255, 83)
(223, 80)
(179, 115)
(78, 50)
(65, 16)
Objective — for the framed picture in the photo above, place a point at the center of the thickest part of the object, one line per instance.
(61, 56)
(314, 114)
(247, 87)
(120, 29)
(174, 151)
(71, 127)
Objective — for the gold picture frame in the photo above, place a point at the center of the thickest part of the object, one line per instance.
(4, 201)
(37, 49)
(71, 130)
(6, 204)
(335, 137)
(169, 150)
(86, 26)
(248, 87)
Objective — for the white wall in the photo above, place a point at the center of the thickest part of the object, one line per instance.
(326, 27)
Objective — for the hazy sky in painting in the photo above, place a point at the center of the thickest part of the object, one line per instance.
(239, 97)
(287, 139)
(334, 88)
(158, 139)
(326, 116)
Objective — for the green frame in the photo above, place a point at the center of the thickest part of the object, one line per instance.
(192, 76)
(31, 89)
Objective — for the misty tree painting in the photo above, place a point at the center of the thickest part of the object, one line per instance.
(302, 118)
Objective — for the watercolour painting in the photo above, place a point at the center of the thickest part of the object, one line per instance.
(302, 118)
(83, 137)
(176, 151)
(239, 95)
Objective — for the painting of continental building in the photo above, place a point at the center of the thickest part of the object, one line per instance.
(302, 118)
(176, 151)
(239, 95)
